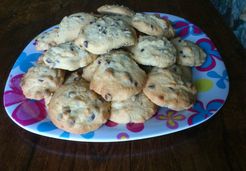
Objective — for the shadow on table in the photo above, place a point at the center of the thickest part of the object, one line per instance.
(104, 151)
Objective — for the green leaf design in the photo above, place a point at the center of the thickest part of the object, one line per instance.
(203, 85)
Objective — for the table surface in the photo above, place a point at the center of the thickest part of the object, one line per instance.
(218, 144)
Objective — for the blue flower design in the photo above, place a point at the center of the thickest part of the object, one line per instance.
(46, 126)
(26, 61)
(221, 78)
(49, 126)
(208, 46)
(88, 135)
(65, 134)
(201, 112)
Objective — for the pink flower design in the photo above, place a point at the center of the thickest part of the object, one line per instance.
(135, 127)
(111, 123)
(27, 111)
(172, 118)
(185, 28)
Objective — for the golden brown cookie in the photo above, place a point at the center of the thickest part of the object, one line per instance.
(90, 69)
(71, 25)
(67, 56)
(76, 109)
(115, 9)
(152, 25)
(189, 54)
(41, 81)
(48, 39)
(117, 76)
(154, 51)
(135, 109)
(171, 87)
(105, 34)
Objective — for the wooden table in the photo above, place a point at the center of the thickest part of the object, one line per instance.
(218, 144)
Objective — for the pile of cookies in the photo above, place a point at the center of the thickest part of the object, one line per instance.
(117, 65)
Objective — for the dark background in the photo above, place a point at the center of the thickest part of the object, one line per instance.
(218, 144)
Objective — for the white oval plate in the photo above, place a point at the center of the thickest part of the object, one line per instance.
(211, 80)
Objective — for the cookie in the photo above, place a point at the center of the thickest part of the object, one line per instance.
(47, 39)
(117, 77)
(115, 9)
(123, 18)
(189, 54)
(153, 25)
(70, 26)
(154, 51)
(67, 56)
(90, 69)
(171, 87)
(106, 34)
(136, 109)
(41, 81)
(76, 109)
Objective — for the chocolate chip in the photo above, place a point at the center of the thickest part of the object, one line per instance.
(171, 88)
(98, 62)
(184, 56)
(107, 61)
(142, 50)
(71, 122)
(71, 48)
(181, 51)
(91, 22)
(79, 17)
(102, 28)
(179, 40)
(104, 32)
(40, 80)
(128, 76)
(91, 117)
(66, 109)
(136, 83)
(48, 60)
(151, 26)
(130, 79)
(98, 25)
(151, 86)
(76, 79)
(110, 71)
(161, 97)
(80, 71)
(108, 97)
(85, 44)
